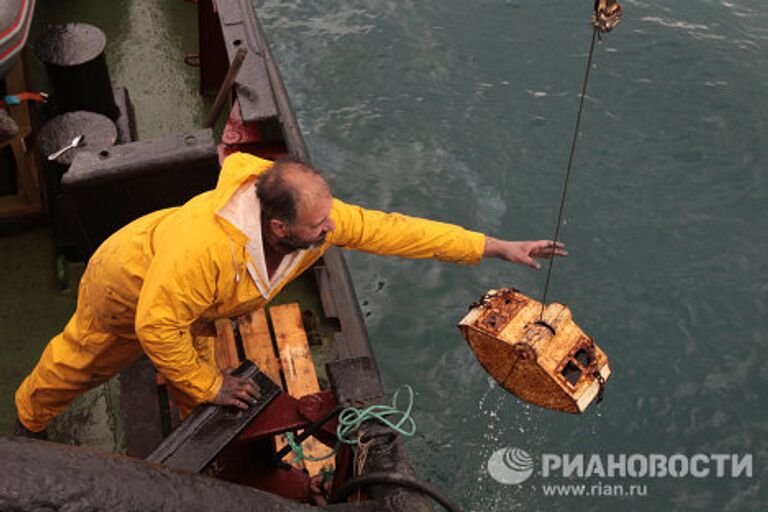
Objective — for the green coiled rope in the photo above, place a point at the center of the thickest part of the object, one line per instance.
(351, 418)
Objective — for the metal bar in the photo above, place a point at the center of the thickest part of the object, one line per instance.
(308, 432)
(210, 427)
(226, 87)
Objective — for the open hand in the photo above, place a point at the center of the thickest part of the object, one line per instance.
(237, 392)
(523, 252)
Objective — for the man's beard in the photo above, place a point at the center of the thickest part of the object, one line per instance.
(293, 243)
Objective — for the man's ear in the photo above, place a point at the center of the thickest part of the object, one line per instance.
(279, 228)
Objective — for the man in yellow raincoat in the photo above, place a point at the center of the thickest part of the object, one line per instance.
(157, 285)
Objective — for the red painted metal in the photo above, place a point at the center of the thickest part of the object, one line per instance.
(343, 466)
(247, 137)
(237, 132)
(286, 414)
(315, 406)
(291, 483)
(281, 415)
(253, 464)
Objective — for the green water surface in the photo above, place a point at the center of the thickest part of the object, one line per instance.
(463, 111)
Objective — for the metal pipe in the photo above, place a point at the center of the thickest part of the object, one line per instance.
(226, 87)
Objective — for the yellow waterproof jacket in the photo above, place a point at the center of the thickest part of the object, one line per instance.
(175, 271)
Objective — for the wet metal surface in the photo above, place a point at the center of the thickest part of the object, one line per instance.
(71, 44)
(92, 421)
(111, 187)
(240, 32)
(211, 427)
(140, 403)
(98, 132)
(76, 479)
(74, 60)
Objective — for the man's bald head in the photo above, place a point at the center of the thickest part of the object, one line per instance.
(287, 185)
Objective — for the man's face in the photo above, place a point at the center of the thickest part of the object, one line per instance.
(312, 224)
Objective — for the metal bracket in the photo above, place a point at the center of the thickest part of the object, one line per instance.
(210, 427)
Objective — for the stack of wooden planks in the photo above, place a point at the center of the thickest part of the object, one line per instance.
(287, 360)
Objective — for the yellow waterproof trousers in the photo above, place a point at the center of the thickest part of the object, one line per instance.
(88, 352)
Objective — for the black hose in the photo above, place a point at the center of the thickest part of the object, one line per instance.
(397, 480)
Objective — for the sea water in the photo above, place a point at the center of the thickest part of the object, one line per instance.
(463, 112)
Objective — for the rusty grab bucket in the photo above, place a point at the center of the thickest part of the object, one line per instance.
(544, 359)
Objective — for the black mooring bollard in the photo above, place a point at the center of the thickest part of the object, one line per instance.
(98, 133)
(73, 55)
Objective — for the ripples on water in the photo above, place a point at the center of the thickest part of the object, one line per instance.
(463, 111)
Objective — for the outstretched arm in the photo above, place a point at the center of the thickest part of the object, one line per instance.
(523, 252)
(412, 237)
(396, 234)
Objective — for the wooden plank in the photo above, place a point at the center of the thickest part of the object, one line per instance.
(257, 344)
(27, 171)
(28, 199)
(258, 347)
(15, 83)
(16, 206)
(295, 355)
(298, 370)
(226, 350)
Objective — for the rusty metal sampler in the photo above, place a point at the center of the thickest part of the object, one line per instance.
(540, 356)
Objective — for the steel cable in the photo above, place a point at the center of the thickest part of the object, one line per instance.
(574, 140)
